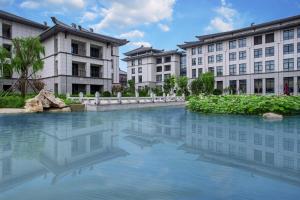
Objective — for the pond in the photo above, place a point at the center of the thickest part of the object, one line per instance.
(159, 153)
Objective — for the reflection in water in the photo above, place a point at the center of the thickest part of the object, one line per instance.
(169, 150)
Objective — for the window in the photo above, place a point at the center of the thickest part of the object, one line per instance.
(200, 61)
(288, 64)
(242, 42)
(220, 85)
(232, 69)
(167, 67)
(270, 38)
(232, 56)
(167, 59)
(193, 51)
(77, 88)
(193, 61)
(133, 71)
(298, 32)
(199, 50)
(258, 53)
(288, 48)
(96, 71)
(158, 60)
(243, 86)
(242, 55)
(219, 58)
(55, 45)
(55, 68)
(269, 66)
(257, 86)
(133, 78)
(232, 44)
(140, 70)
(298, 63)
(242, 68)
(219, 71)
(288, 34)
(258, 40)
(193, 73)
(8, 48)
(289, 83)
(96, 52)
(219, 46)
(211, 47)
(6, 31)
(133, 63)
(258, 68)
(140, 61)
(298, 47)
(159, 78)
(159, 69)
(210, 59)
(269, 85)
(78, 70)
(200, 71)
(74, 48)
(211, 69)
(232, 86)
(269, 51)
(140, 79)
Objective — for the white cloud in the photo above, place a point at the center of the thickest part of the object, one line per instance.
(164, 27)
(122, 13)
(132, 34)
(30, 4)
(88, 16)
(5, 3)
(225, 19)
(141, 43)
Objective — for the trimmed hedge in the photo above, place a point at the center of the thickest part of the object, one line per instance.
(245, 104)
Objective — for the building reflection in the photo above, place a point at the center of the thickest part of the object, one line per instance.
(272, 149)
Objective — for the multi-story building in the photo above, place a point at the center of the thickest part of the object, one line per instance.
(76, 60)
(12, 26)
(259, 59)
(123, 78)
(150, 67)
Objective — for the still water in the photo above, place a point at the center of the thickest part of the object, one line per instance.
(164, 153)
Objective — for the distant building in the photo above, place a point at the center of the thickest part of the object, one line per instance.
(259, 59)
(150, 67)
(123, 78)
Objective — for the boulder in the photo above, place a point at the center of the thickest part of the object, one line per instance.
(33, 105)
(272, 116)
(49, 101)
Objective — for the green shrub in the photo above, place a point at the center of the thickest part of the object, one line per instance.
(217, 92)
(12, 102)
(245, 104)
(106, 94)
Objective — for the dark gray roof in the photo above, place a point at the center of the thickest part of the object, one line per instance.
(11, 17)
(62, 27)
(146, 53)
(243, 32)
(141, 50)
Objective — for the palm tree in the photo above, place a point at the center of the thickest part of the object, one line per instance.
(4, 61)
(27, 59)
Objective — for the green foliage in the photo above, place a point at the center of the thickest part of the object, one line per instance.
(144, 92)
(182, 83)
(106, 94)
(4, 62)
(117, 88)
(203, 84)
(157, 91)
(217, 92)
(169, 84)
(12, 102)
(245, 104)
(196, 86)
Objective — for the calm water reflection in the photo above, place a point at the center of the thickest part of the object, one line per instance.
(165, 153)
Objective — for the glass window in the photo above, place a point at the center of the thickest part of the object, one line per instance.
(232, 56)
(242, 42)
(288, 64)
(242, 55)
(158, 60)
(167, 67)
(219, 46)
(220, 85)
(219, 58)
(232, 44)
(193, 61)
(159, 78)
(210, 59)
(219, 71)
(298, 47)
(258, 40)
(140, 79)
(257, 86)
(288, 34)
(269, 85)
(167, 59)
(200, 71)
(193, 51)
(140, 61)
(298, 32)
(199, 60)
(269, 51)
(232, 69)
(288, 48)
(243, 86)
(270, 38)
(133, 71)
(242, 68)
(140, 70)
(258, 53)
(258, 67)
(269, 66)
(193, 73)
(298, 63)
(211, 47)
(211, 69)
(199, 50)
(159, 69)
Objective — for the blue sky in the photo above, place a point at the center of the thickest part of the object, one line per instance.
(159, 23)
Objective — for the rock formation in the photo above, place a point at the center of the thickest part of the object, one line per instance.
(272, 116)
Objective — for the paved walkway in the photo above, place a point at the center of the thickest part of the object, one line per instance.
(11, 110)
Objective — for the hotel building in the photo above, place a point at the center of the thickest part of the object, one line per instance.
(259, 59)
(76, 60)
(150, 67)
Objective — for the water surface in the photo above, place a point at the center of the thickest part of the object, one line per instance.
(161, 153)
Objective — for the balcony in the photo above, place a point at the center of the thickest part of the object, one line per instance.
(78, 48)
(96, 52)
(78, 69)
(96, 71)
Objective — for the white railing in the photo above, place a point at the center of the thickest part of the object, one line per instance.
(97, 100)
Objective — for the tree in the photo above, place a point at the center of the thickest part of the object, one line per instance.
(169, 84)
(27, 59)
(131, 84)
(4, 62)
(208, 81)
(196, 86)
(182, 83)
